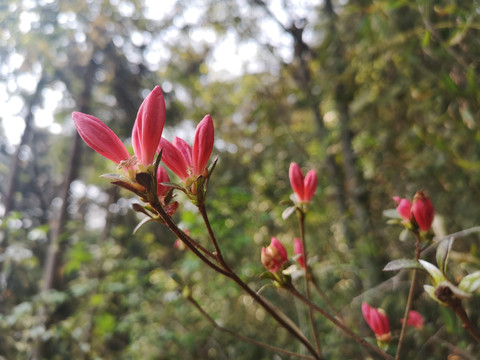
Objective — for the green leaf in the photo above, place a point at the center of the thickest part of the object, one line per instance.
(443, 251)
(400, 264)
(287, 212)
(114, 177)
(434, 272)
(140, 224)
(426, 39)
(391, 213)
(105, 323)
(470, 283)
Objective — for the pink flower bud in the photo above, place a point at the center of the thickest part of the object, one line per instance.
(415, 319)
(298, 250)
(378, 322)
(202, 145)
(403, 208)
(173, 158)
(274, 255)
(304, 188)
(422, 210)
(148, 127)
(184, 160)
(100, 137)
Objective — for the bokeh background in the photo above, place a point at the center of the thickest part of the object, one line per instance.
(380, 97)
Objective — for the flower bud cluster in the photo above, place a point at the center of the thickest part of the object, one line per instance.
(418, 214)
(377, 320)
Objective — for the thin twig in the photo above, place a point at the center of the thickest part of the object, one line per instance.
(409, 299)
(301, 219)
(279, 316)
(362, 342)
(242, 337)
(325, 298)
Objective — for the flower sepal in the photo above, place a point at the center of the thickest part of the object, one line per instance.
(280, 279)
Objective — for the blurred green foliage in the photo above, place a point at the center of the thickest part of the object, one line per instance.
(407, 73)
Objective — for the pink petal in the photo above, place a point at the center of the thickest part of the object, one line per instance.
(423, 211)
(100, 137)
(310, 185)
(282, 252)
(202, 145)
(184, 148)
(296, 180)
(404, 208)
(149, 124)
(173, 158)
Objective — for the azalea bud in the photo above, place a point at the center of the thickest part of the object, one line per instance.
(202, 145)
(186, 161)
(422, 210)
(274, 256)
(304, 188)
(378, 322)
(100, 137)
(404, 208)
(415, 319)
(298, 250)
(148, 127)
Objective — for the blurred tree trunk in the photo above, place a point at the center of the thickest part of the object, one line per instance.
(358, 196)
(356, 187)
(13, 180)
(302, 55)
(53, 277)
(15, 167)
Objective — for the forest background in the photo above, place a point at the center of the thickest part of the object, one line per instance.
(380, 97)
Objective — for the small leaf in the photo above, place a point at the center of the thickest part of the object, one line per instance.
(212, 166)
(287, 212)
(400, 264)
(391, 213)
(443, 251)
(140, 224)
(133, 187)
(434, 272)
(113, 176)
(426, 39)
(430, 290)
(139, 208)
(470, 283)
(176, 277)
(404, 235)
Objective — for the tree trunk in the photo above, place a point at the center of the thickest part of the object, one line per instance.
(53, 278)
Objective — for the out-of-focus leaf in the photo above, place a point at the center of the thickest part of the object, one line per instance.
(287, 212)
(434, 272)
(443, 250)
(470, 283)
(401, 264)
